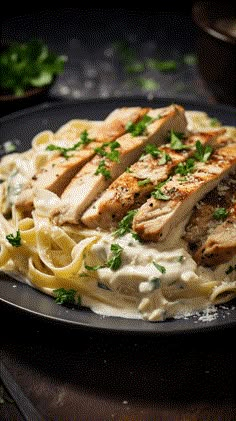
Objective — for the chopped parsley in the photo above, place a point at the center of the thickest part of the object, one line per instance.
(184, 168)
(176, 141)
(161, 268)
(152, 150)
(66, 296)
(113, 155)
(162, 65)
(14, 240)
(220, 214)
(202, 154)
(158, 194)
(114, 261)
(84, 140)
(230, 269)
(138, 129)
(164, 159)
(102, 169)
(128, 170)
(156, 283)
(124, 226)
(180, 259)
(144, 182)
(28, 65)
(214, 122)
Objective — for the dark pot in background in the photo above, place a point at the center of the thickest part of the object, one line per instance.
(216, 48)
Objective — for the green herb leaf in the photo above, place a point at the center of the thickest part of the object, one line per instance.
(128, 170)
(138, 129)
(214, 122)
(84, 140)
(148, 84)
(161, 269)
(158, 194)
(164, 159)
(124, 226)
(27, 65)
(162, 65)
(115, 261)
(184, 168)
(136, 67)
(14, 240)
(96, 267)
(113, 155)
(190, 59)
(180, 259)
(202, 154)
(156, 283)
(220, 214)
(101, 169)
(152, 150)
(65, 296)
(144, 182)
(176, 141)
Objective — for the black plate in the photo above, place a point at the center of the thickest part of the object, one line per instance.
(22, 126)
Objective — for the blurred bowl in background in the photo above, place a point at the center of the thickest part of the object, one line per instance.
(216, 47)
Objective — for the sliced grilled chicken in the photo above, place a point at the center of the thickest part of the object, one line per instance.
(132, 189)
(176, 199)
(58, 172)
(97, 174)
(211, 231)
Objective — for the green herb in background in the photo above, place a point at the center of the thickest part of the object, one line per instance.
(162, 65)
(190, 59)
(147, 84)
(28, 65)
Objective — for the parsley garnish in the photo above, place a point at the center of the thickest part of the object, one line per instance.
(214, 122)
(156, 283)
(14, 240)
(161, 268)
(124, 226)
(144, 182)
(202, 154)
(128, 170)
(176, 141)
(180, 259)
(113, 155)
(115, 261)
(230, 269)
(220, 213)
(152, 150)
(137, 129)
(184, 168)
(96, 267)
(84, 140)
(101, 169)
(158, 194)
(164, 159)
(66, 296)
(162, 65)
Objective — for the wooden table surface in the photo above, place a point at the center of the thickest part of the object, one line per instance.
(55, 372)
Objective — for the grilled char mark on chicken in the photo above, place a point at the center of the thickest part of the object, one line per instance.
(133, 188)
(56, 174)
(176, 199)
(211, 231)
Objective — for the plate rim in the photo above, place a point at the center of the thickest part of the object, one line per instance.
(118, 329)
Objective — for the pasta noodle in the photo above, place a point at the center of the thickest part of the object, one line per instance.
(153, 281)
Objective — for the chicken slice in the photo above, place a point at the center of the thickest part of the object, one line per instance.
(98, 174)
(211, 231)
(132, 189)
(56, 174)
(175, 200)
